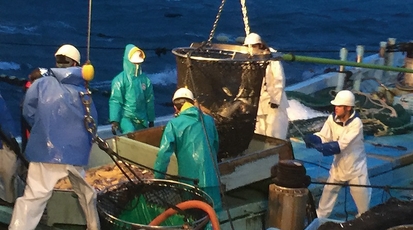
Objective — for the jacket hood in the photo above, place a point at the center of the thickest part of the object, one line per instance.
(128, 67)
(192, 112)
(70, 75)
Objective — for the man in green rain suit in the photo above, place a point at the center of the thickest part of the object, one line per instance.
(193, 137)
(131, 103)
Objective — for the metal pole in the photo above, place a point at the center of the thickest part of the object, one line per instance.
(358, 76)
(342, 75)
(291, 57)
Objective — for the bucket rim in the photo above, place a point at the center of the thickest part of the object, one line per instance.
(238, 53)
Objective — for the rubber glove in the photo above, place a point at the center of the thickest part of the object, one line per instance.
(115, 127)
(311, 140)
(329, 148)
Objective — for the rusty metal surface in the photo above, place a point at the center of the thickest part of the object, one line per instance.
(151, 136)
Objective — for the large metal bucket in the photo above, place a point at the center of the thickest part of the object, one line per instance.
(287, 207)
(226, 81)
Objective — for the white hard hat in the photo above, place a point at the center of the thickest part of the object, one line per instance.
(183, 93)
(70, 52)
(136, 55)
(344, 97)
(252, 39)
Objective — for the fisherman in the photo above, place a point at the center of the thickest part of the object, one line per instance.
(8, 152)
(193, 138)
(342, 137)
(131, 103)
(272, 117)
(24, 126)
(59, 144)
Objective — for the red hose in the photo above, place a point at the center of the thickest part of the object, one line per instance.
(187, 205)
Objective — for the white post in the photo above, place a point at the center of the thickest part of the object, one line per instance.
(378, 73)
(389, 58)
(359, 74)
(341, 76)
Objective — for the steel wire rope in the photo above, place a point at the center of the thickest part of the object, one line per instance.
(103, 145)
(245, 17)
(385, 188)
(88, 30)
(284, 50)
(214, 26)
(217, 173)
(90, 126)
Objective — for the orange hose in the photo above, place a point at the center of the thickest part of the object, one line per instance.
(187, 205)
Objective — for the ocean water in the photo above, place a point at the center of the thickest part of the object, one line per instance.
(31, 31)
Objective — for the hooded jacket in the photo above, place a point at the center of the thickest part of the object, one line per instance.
(132, 94)
(196, 152)
(350, 158)
(54, 109)
(7, 126)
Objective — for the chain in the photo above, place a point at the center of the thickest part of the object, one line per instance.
(245, 17)
(211, 35)
(89, 121)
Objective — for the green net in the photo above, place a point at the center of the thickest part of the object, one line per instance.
(140, 211)
(378, 117)
(133, 205)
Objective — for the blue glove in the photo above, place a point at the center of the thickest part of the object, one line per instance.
(329, 148)
(311, 140)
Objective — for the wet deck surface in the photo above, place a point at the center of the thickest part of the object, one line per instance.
(386, 168)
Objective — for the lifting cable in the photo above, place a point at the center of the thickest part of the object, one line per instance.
(189, 77)
(159, 51)
(214, 26)
(245, 17)
(90, 125)
(386, 188)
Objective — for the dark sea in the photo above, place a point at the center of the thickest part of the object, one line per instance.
(31, 32)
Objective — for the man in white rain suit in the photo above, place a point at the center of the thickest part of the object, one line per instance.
(342, 137)
(272, 117)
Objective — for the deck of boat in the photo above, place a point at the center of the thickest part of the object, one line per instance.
(387, 167)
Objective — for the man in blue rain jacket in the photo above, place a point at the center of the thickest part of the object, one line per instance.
(193, 138)
(131, 103)
(59, 144)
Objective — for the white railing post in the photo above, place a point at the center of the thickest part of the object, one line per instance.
(359, 73)
(341, 76)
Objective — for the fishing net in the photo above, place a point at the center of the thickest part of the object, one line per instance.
(381, 217)
(378, 117)
(133, 205)
(226, 81)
